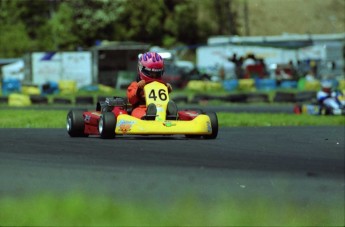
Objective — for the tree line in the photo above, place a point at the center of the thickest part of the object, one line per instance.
(65, 25)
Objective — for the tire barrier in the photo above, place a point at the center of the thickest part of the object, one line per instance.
(4, 99)
(197, 99)
(246, 85)
(230, 85)
(38, 99)
(236, 98)
(288, 84)
(266, 84)
(80, 100)
(180, 99)
(62, 101)
(11, 86)
(341, 85)
(200, 98)
(50, 88)
(19, 100)
(30, 90)
(67, 86)
(257, 98)
(313, 85)
(200, 85)
(284, 97)
(305, 96)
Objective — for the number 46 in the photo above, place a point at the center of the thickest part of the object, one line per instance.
(161, 93)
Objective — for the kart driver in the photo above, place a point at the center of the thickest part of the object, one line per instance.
(150, 68)
(330, 99)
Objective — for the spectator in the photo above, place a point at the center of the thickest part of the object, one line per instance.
(292, 70)
(229, 68)
(249, 60)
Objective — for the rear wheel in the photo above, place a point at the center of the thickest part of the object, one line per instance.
(214, 125)
(106, 125)
(75, 123)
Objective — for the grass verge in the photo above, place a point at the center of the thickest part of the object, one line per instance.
(78, 209)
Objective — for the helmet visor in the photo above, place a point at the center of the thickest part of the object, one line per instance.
(154, 73)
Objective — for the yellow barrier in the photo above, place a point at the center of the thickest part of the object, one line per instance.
(67, 86)
(246, 85)
(106, 89)
(19, 100)
(196, 85)
(31, 90)
(201, 85)
(312, 85)
(213, 86)
(341, 85)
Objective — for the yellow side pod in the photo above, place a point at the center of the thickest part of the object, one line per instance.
(127, 124)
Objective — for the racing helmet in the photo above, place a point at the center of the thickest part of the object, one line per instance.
(326, 86)
(150, 67)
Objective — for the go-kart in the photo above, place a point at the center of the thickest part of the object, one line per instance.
(112, 117)
(318, 108)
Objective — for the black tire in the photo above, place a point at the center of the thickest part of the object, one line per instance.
(106, 125)
(62, 101)
(214, 125)
(75, 123)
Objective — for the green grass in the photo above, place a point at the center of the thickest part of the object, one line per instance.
(78, 209)
(19, 118)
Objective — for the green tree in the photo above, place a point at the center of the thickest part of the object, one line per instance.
(95, 20)
(42, 25)
(59, 31)
(142, 21)
(180, 24)
(14, 38)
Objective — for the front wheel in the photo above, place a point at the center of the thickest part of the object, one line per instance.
(214, 125)
(75, 123)
(106, 125)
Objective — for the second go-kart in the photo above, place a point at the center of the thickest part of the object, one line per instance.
(336, 106)
(112, 118)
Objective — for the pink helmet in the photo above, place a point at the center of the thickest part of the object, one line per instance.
(150, 67)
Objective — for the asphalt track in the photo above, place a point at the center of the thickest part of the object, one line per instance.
(304, 165)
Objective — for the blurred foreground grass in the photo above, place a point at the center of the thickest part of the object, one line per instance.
(78, 209)
(19, 118)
